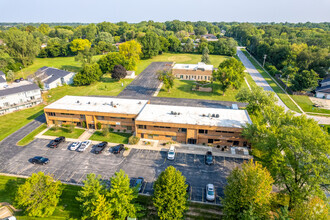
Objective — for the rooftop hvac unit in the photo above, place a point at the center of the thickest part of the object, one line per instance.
(217, 115)
(203, 115)
(213, 115)
(88, 102)
(179, 113)
(175, 113)
(140, 102)
(77, 101)
(111, 103)
(209, 115)
(172, 112)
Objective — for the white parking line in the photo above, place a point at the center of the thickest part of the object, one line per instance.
(81, 178)
(67, 180)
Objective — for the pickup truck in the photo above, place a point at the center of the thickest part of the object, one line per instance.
(100, 147)
(56, 142)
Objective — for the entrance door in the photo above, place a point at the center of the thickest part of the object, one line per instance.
(91, 126)
(192, 141)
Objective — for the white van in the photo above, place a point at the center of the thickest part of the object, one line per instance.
(171, 153)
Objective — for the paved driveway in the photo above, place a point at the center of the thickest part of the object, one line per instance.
(72, 166)
(146, 83)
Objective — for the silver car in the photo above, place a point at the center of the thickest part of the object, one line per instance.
(84, 145)
(75, 145)
(210, 194)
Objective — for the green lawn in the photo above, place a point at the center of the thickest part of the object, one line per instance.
(106, 86)
(182, 89)
(30, 137)
(66, 63)
(179, 58)
(307, 105)
(11, 122)
(113, 137)
(284, 97)
(63, 131)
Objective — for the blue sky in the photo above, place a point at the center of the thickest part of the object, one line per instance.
(164, 10)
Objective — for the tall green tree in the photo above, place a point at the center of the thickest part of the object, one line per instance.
(122, 198)
(150, 45)
(312, 209)
(92, 201)
(248, 192)
(119, 72)
(205, 56)
(230, 73)
(21, 45)
(305, 80)
(131, 50)
(89, 74)
(80, 45)
(108, 62)
(39, 195)
(175, 44)
(44, 28)
(167, 78)
(170, 196)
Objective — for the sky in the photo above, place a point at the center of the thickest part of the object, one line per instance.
(133, 11)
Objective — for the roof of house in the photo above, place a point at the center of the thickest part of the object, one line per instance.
(323, 89)
(2, 80)
(2, 73)
(49, 74)
(326, 79)
(99, 104)
(200, 65)
(210, 36)
(194, 116)
(26, 86)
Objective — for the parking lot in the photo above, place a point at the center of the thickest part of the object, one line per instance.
(73, 166)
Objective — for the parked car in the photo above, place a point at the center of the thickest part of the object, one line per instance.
(17, 80)
(100, 147)
(210, 195)
(75, 145)
(21, 79)
(84, 145)
(171, 153)
(138, 183)
(117, 149)
(39, 160)
(56, 142)
(188, 187)
(209, 158)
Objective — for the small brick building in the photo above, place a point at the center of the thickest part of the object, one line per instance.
(198, 72)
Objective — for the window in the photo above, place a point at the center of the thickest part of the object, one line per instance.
(142, 126)
(236, 143)
(51, 113)
(156, 135)
(182, 130)
(202, 131)
(66, 114)
(150, 136)
(174, 138)
(229, 141)
(210, 141)
(168, 136)
(244, 144)
(100, 117)
(82, 116)
(181, 77)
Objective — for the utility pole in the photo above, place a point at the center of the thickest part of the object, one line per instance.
(265, 56)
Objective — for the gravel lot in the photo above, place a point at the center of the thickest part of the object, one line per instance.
(72, 166)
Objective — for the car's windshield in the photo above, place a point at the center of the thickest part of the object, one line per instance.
(209, 157)
(171, 152)
(211, 193)
(43, 159)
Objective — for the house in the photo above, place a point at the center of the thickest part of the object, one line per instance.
(51, 77)
(323, 91)
(19, 95)
(130, 74)
(183, 124)
(3, 81)
(198, 72)
(209, 37)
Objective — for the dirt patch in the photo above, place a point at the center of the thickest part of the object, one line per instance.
(321, 103)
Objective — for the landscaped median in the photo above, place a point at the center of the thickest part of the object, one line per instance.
(64, 131)
(30, 137)
(112, 137)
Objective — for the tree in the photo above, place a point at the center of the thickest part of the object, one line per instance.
(105, 37)
(119, 72)
(131, 50)
(108, 62)
(205, 56)
(89, 74)
(21, 45)
(164, 44)
(188, 47)
(91, 199)
(10, 75)
(105, 130)
(167, 78)
(257, 99)
(305, 80)
(230, 73)
(44, 28)
(39, 195)
(56, 47)
(85, 56)
(294, 149)
(170, 196)
(175, 44)
(313, 209)
(80, 45)
(248, 192)
(150, 45)
(122, 197)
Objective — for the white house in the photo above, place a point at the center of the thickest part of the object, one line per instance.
(52, 77)
(323, 91)
(17, 96)
(3, 81)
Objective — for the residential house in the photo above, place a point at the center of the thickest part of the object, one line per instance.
(198, 72)
(209, 37)
(17, 96)
(51, 77)
(323, 91)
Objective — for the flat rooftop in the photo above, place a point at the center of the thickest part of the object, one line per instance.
(194, 116)
(99, 104)
(200, 65)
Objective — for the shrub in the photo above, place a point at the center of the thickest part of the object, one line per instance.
(83, 124)
(71, 128)
(119, 72)
(98, 125)
(105, 131)
(111, 129)
(133, 140)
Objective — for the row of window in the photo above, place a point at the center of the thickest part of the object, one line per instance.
(195, 77)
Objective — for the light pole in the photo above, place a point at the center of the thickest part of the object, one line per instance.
(265, 56)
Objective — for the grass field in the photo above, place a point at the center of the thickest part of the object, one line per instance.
(68, 207)
(106, 86)
(11, 122)
(182, 89)
(30, 137)
(63, 131)
(113, 137)
(284, 97)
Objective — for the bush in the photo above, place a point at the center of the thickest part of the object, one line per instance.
(98, 125)
(71, 128)
(111, 129)
(105, 131)
(119, 72)
(133, 140)
(83, 124)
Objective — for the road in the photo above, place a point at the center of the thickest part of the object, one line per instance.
(260, 81)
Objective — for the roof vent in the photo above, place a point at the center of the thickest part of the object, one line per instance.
(172, 112)
(217, 115)
(77, 101)
(209, 115)
(203, 115)
(175, 113)
(95, 103)
(140, 103)
(88, 102)
(179, 113)
(111, 103)
(213, 115)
